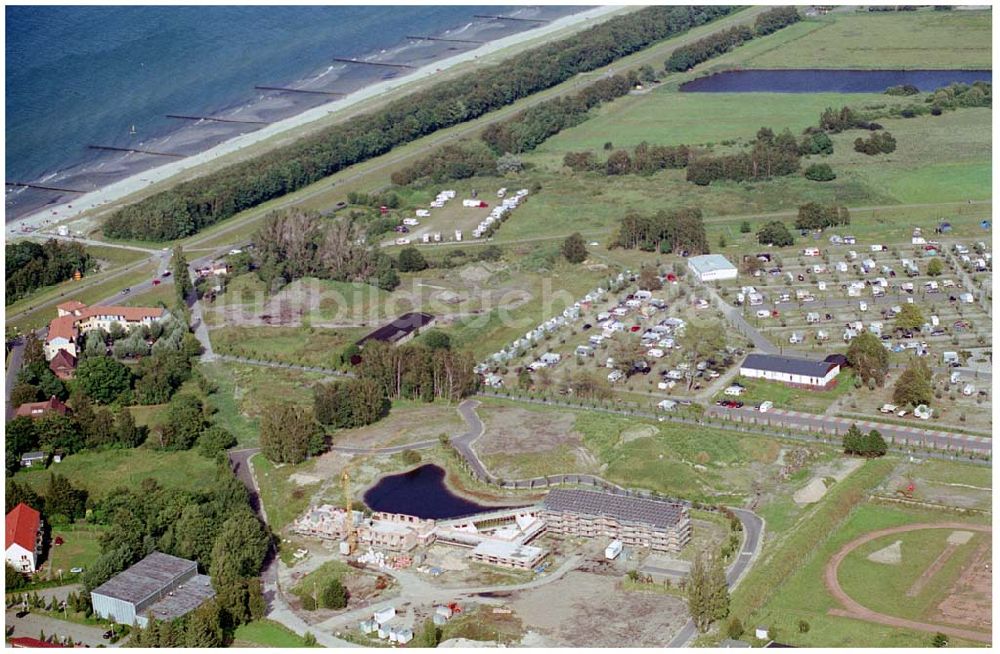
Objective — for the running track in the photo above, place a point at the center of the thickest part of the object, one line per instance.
(857, 611)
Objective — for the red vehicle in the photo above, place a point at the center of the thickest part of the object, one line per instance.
(775, 314)
(58, 540)
(671, 277)
(635, 328)
(156, 282)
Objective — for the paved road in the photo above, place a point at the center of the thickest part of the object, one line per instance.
(753, 533)
(32, 624)
(735, 317)
(901, 436)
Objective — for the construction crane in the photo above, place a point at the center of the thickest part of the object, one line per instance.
(351, 534)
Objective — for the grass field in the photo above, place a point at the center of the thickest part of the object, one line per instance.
(316, 580)
(101, 471)
(283, 499)
(266, 633)
(922, 39)
(164, 294)
(805, 597)
(307, 346)
(81, 547)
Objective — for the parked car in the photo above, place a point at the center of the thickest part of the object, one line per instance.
(126, 291)
(76, 571)
(765, 406)
(156, 282)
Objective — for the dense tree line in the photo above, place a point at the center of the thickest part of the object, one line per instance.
(877, 143)
(524, 131)
(351, 403)
(527, 129)
(689, 56)
(416, 371)
(775, 19)
(294, 244)
(675, 231)
(191, 206)
(769, 156)
(868, 445)
(813, 215)
(30, 266)
(721, 42)
(453, 161)
(289, 434)
(840, 120)
(645, 159)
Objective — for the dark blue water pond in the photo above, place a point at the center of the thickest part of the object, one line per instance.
(829, 81)
(420, 492)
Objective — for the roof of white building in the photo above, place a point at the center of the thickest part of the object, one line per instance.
(707, 263)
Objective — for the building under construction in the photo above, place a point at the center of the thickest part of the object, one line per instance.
(638, 522)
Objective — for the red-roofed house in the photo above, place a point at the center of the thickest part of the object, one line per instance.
(39, 409)
(24, 538)
(63, 364)
(76, 318)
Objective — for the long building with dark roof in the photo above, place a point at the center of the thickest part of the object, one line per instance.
(791, 370)
(637, 522)
(400, 329)
(162, 586)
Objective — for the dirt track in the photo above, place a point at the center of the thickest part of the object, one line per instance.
(856, 610)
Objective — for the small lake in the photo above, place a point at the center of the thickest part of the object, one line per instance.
(829, 81)
(420, 492)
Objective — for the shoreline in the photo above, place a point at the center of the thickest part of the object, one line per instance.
(46, 219)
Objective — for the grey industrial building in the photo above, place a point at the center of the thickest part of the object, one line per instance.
(163, 586)
(638, 522)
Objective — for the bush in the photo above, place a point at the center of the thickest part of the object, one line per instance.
(820, 172)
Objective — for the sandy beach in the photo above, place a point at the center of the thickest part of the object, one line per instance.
(46, 220)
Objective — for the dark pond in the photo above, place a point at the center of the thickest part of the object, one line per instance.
(829, 81)
(420, 492)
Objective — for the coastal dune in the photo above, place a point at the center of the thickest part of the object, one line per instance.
(48, 218)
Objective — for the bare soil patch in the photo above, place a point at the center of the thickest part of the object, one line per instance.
(585, 610)
(510, 429)
(405, 426)
(969, 602)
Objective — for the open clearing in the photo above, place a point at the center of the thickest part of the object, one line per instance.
(577, 611)
(407, 422)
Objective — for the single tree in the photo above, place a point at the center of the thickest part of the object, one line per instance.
(182, 278)
(334, 595)
(287, 433)
(411, 260)
(745, 227)
(869, 358)
(935, 268)
(574, 249)
(914, 385)
(910, 317)
(775, 233)
(939, 640)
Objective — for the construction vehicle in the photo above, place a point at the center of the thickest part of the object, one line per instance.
(907, 491)
(350, 544)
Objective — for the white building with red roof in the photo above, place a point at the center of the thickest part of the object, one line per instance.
(24, 538)
(76, 318)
